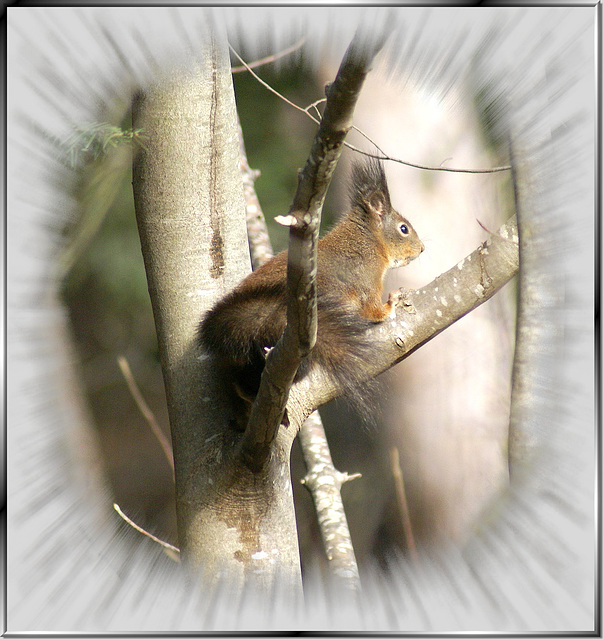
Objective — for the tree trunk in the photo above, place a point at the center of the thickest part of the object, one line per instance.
(190, 212)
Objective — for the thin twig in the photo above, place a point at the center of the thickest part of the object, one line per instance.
(269, 59)
(315, 105)
(414, 165)
(138, 528)
(268, 86)
(383, 155)
(399, 484)
(146, 411)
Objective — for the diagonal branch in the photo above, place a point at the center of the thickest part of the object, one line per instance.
(172, 551)
(304, 220)
(399, 484)
(424, 313)
(146, 411)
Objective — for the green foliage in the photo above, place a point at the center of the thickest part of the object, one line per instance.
(95, 140)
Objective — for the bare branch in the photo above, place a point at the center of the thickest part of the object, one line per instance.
(146, 411)
(474, 280)
(423, 313)
(268, 86)
(257, 233)
(300, 333)
(324, 482)
(382, 155)
(174, 552)
(385, 156)
(399, 484)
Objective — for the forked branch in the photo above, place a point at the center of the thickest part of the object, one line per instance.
(304, 222)
(322, 479)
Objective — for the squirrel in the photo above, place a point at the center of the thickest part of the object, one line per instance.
(352, 260)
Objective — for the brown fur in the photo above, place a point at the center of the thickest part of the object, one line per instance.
(352, 261)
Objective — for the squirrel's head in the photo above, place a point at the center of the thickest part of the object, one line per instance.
(370, 197)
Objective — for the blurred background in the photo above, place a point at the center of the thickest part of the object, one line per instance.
(445, 409)
(454, 81)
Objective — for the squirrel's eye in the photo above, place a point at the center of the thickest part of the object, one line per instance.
(404, 229)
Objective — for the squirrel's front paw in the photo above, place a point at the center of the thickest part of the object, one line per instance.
(399, 298)
(394, 300)
(395, 297)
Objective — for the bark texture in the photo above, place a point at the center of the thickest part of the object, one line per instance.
(191, 217)
(537, 336)
(325, 483)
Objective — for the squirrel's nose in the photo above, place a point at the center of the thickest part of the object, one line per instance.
(421, 246)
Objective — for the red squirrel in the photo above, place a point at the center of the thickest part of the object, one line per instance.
(352, 260)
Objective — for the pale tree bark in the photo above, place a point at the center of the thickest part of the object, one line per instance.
(190, 211)
(234, 500)
(536, 334)
(325, 482)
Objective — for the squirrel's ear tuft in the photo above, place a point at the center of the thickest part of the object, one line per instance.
(376, 204)
(368, 187)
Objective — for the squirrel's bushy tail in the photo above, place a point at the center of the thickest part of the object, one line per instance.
(341, 349)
